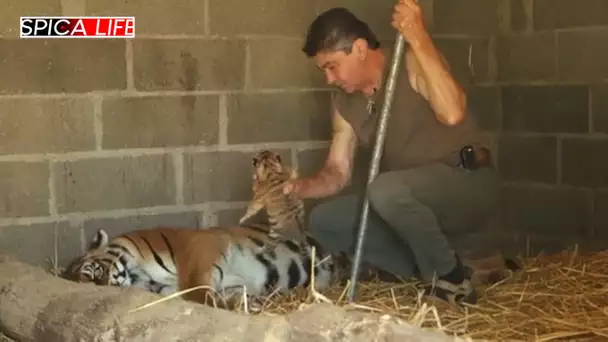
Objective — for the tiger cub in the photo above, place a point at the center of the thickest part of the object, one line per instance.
(285, 212)
(226, 259)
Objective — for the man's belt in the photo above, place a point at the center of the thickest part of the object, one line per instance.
(471, 158)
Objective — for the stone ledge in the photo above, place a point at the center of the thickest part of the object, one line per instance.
(65, 311)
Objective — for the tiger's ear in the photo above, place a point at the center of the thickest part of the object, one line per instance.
(99, 240)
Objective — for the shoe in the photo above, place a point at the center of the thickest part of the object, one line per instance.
(485, 271)
(453, 294)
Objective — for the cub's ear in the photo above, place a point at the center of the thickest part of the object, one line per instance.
(255, 161)
(293, 174)
(99, 240)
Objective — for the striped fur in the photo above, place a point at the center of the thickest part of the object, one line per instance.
(164, 260)
(285, 212)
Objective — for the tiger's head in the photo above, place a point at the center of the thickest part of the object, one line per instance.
(266, 163)
(98, 265)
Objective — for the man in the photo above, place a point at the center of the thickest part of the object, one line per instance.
(423, 194)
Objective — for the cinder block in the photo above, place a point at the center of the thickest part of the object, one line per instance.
(584, 162)
(559, 14)
(280, 63)
(279, 117)
(484, 105)
(263, 17)
(546, 211)
(186, 64)
(475, 17)
(25, 189)
(61, 65)
(559, 108)
(521, 15)
(12, 10)
(600, 215)
(528, 158)
(220, 176)
(456, 52)
(35, 243)
(46, 125)
(157, 16)
(121, 225)
(583, 55)
(526, 57)
(160, 121)
(599, 108)
(114, 183)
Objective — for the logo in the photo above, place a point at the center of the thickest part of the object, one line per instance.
(77, 27)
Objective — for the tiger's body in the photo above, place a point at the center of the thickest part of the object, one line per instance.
(165, 260)
(285, 211)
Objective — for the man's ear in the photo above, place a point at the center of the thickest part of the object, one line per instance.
(360, 48)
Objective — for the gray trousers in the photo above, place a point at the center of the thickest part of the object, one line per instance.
(418, 218)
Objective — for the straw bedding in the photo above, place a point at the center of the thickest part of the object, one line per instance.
(561, 297)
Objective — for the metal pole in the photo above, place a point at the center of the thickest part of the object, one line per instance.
(375, 160)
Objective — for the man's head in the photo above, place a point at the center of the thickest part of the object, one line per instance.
(345, 48)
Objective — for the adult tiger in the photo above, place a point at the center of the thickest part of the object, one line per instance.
(165, 260)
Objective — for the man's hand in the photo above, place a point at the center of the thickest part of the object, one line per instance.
(409, 20)
(290, 186)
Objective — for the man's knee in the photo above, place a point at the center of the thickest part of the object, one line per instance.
(330, 223)
(386, 191)
(336, 214)
(318, 218)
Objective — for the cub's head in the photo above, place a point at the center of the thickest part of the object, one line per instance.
(266, 163)
(96, 265)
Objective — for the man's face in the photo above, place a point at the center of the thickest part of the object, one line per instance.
(341, 69)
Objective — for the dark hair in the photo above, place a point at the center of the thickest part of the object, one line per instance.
(336, 30)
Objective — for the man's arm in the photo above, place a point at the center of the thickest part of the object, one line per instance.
(337, 170)
(430, 73)
(432, 78)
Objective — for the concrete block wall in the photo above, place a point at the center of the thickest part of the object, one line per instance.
(159, 130)
(540, 97)
(548, 84)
